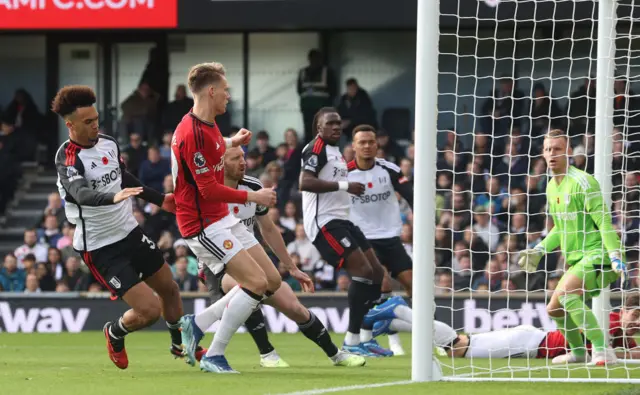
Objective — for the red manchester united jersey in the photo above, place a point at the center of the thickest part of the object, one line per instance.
(555, 344)
(197, 167)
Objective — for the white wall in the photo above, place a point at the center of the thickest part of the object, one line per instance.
(23, 65)
(274, 63)
(199, 48)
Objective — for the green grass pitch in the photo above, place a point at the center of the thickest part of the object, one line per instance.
(68, 364)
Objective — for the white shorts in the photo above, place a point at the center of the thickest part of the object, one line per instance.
(220, 242)
(520, 342)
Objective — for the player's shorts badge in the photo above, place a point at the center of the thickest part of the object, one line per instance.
(345, 242)
(115, 281)
(198, 159)
(228, 244)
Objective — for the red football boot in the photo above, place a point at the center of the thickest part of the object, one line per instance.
(119, 358)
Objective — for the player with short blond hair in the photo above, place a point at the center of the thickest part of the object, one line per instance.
(589, 243)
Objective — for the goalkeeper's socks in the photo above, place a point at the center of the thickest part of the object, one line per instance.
(315, 331)
(174, 330)
(584, 318)
(572, 334)
(257, 329)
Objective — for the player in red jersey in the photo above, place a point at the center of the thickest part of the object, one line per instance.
(525, 341)
(217, 237)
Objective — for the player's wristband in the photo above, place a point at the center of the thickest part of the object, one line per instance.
(228, 142)
(343, 185)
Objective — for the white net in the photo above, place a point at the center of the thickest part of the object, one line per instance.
(508, 75)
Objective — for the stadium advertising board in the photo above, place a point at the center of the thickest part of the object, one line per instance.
(54, 315)
(88, 14)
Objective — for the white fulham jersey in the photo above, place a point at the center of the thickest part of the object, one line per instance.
(98, 169)
(377, 212)
(327, 163)
(247, 212)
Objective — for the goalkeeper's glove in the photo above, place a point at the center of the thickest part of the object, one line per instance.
(619, 267)
(530, 258)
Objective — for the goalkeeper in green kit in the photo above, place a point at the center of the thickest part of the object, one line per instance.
(591, 249)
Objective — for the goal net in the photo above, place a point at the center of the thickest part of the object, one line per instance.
(509, 72)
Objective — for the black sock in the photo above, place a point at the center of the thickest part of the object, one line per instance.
(376, 294)
(174, 330)
(384, 296)
(257, 329)
(360, 302)
(117, 330)
(317, 333)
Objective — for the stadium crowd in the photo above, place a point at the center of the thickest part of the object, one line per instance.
(490, 194)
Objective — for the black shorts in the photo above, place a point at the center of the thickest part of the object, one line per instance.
(337, 239)
(123, 264)
(392, 255)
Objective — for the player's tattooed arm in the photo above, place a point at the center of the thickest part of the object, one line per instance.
(71, 173)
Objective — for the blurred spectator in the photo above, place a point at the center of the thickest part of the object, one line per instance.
(12, 278)
(31, 246)
(502, 111)
(186, 281)
(290, 218)
(32, 285)
(182, 251)
(45, 277)
(348, 153)
(23, 121)
(177, 109)
(10, 174)
(55, 208)
(343, 282)
(55, 264)
(136, 153)
(406, 236)
(74, 278)
(485, 229)
(491, 278)
(165, 148)
(29, 264)
(61, 287)
(254, 167)
(581, 109)
(50, 232)
(544, 113)
(139, 111)
(65, 243)
(392, 151)
(153, 170)
(290, 168)
(406, 167)
(305, 249)
(274, 215)
(317, 88)
(265, 151)
(355, 108)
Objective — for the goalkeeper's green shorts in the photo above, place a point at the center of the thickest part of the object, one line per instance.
(595, 271)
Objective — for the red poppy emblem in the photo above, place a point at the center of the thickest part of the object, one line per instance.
(236, 210)
(370, 185)
(105, 161)
(558, 200)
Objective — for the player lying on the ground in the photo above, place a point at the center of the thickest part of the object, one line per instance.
(284, 300)
(590, 246)
(528, 342)
(96, 187)
(212, 233)
(377, 213)
(326, 203)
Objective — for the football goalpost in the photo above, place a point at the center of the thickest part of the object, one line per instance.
(492, 167)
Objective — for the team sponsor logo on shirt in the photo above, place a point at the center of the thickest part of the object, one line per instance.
(198, 159)
(228, 244)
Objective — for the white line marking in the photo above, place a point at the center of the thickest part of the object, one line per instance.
(348, 388)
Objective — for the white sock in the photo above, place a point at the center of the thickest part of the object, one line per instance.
(365, 335)
(239, 309)
(394, 340)
(404, 313)
(213, 313)
(352, 339)
(400, 326)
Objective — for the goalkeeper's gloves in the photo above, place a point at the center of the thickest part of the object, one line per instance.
(619, 267)
(530, 258)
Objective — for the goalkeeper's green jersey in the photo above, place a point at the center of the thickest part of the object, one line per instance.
(582, 221)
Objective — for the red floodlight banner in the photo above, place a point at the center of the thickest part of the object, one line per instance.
(88, 14)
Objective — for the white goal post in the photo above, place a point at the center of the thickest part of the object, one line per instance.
(451, 87)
